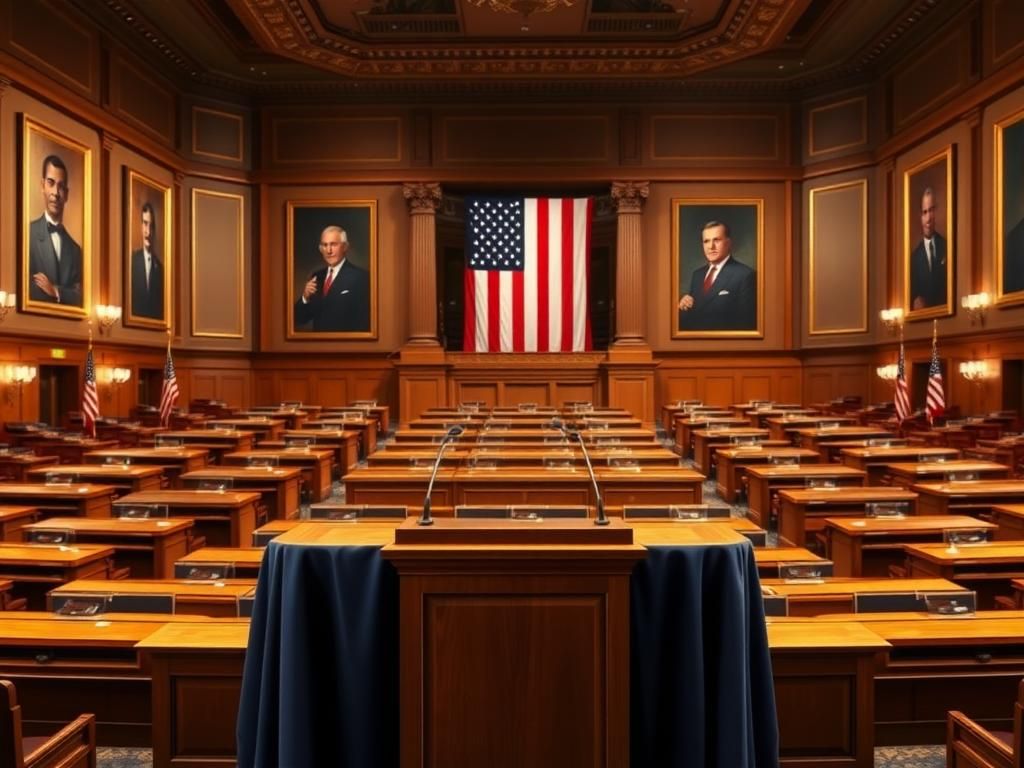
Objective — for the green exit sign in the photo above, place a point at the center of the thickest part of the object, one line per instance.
(58, 354)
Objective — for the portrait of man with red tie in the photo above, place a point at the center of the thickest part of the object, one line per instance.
(55, 181)
(928, 189)
(334, 294)
(720, 295)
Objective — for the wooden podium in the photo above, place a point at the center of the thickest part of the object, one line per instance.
(514, 643)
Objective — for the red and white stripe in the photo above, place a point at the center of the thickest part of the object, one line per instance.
(543, 308)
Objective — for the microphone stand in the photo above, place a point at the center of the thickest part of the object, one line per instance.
(602, 518)
(425, 518)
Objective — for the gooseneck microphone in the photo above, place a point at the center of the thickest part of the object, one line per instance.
(575, 434)
(425, 518)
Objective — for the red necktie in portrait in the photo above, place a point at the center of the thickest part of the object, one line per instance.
(709, 278)
(328, 281)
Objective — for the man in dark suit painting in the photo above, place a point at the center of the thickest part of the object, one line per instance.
(1013, 259)
(723, 292)
(147, 272)
(55, 259)
(337, 297)
(928, 260)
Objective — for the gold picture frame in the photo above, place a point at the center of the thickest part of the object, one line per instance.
(1009, 219)
(733, 307)
(56, 190)
(928, 287)
(348, 308)
(148, 258)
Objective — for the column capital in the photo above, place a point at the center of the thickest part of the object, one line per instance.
(422, 197)
(629, 196)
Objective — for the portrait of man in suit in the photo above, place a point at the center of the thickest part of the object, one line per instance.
(147, 270)
(718, 290)
(54, 256)
(335, 297)
(1010, 143)
(928, 272)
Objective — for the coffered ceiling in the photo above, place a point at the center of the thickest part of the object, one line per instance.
(379, 45)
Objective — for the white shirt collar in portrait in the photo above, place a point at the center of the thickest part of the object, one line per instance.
(54, 236)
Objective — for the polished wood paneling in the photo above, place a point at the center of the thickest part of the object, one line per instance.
(55, 40)
(1004, 31)
(841, 126)
(142, 100)
(218, 135)
(728, 380)
(569, 137)
(706, 137)
(837, 297)
(340, 140)
(941, 70)
(218, 264)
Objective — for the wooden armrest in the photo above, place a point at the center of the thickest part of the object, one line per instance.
(73, 746)
(1005, 603)
(968, 745)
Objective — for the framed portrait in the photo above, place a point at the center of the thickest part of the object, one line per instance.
(1009, 234)
(929, 237)
(55, 262)
(148, 258)
(717, 274)
(332, 269)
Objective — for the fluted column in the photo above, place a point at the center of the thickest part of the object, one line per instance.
(423, 200)
(629, 197)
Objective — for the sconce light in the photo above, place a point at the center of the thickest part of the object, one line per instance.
(19, 375)
(115, 377)
(887, 372)
(892, 317)
(976, 371)
(7, 302)
(976, 304)
(107, 314)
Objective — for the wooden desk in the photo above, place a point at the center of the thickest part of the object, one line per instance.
(970, 497)
(705, 439)
(292, 419)
(68, 451)
(216, 441)
(315, 465)
(837, 594)
(758, 417)
(802, 511)
(172, 461)
(15, 466)
(246, 560)
(769, 559)
(873, 460)
(763, 482)
(264, 428)
(868, 546)
(906, 474)
(1009, 521)
(13, 519)
(148, 547)
(839, 658)
(200, 598)
(224, 519)
(785, 427)
(279, 486)
(123, 478)
(732, 464)
(685, 428)
(986, 568)
(824, 440)
(398, 487)
(366, 428)
(345, 443)
(197, 683)
(36, 568)
(82, 499)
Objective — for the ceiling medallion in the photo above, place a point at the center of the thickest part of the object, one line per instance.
(523, 7)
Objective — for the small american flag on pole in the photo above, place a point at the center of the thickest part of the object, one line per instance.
(935, 398)
(902, 399)
(90, 397)
(169, 391)
(527, 274)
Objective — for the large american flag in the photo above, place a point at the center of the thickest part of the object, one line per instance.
(169, 391)
(527, 274)
(90, 398)
(935, 398)
(902, 398)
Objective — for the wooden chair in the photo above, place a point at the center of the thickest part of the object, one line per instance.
(969, 745)
(73, 746)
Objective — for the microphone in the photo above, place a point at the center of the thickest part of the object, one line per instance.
(602, 518)
(425, 518)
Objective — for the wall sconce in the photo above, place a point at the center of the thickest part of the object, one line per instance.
(892, 317)
(888, 372)
(107, 314)
(976, 304)
(20, 375)
(976, 371)
(115, 377)
(7, 302)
